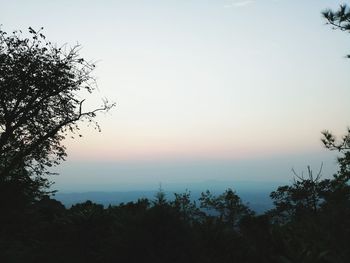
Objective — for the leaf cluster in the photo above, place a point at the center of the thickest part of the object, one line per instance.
(41, 86)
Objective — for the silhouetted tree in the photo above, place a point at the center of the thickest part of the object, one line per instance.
(228, 206)
(187, 208)
(39, 104)
(160, 197)
(301, 199)
(339, 19)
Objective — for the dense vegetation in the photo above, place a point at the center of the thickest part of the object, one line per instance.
(310, 223)
(39, 106)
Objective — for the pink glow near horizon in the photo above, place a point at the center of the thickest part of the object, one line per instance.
(171, 150)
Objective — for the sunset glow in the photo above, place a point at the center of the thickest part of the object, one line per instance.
(202, 80)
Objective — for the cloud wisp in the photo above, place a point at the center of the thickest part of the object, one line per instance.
(239, 3)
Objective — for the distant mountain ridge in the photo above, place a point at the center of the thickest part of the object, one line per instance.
(255, 195)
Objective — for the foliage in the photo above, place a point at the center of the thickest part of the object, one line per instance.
(339, 19)
(302, 198)
(228, 206)
(342, 146)
(180, 231)
(187, 208)
(40, 104)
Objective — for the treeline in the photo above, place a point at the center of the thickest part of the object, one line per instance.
(40, 107)
(309, 223)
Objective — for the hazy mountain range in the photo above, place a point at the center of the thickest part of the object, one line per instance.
(255, 194)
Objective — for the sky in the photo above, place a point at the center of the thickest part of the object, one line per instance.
(205, 89)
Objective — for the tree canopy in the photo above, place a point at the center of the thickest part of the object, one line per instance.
(41, 86)
(339, 19)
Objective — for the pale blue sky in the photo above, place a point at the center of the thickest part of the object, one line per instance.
(201, 82)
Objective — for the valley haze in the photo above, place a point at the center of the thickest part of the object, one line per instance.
(254, 194)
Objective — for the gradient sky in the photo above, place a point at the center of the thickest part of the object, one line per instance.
(206, 89)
